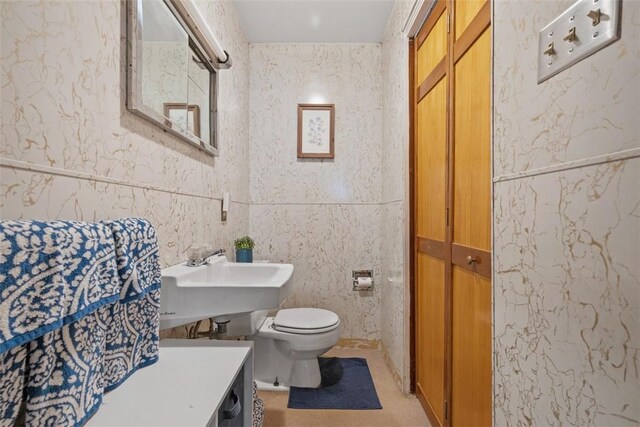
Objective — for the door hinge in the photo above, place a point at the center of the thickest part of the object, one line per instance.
(448, 23)
(446, 410)
(447, 217)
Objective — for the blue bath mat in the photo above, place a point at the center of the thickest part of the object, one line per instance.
(353, 390)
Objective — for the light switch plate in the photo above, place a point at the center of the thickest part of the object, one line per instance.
(589, 36)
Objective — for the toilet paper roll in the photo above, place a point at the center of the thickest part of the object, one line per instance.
(364, 283)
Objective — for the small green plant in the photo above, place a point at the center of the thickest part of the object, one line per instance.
(244, 242)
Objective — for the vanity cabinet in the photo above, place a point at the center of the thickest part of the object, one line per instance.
(195, 383)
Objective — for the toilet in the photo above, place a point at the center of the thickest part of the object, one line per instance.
(287, 345)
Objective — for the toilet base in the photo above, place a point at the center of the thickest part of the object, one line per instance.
(266, 386)
(305, 373)
(290, 359)
(271, 366)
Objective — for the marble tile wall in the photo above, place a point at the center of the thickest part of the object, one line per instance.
(395, 303)
(567, 298)
(566, 227)
(322, 216)
(70, 149)
(594, 112)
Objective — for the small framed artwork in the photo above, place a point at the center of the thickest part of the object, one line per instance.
(315, 131)
(184, 116)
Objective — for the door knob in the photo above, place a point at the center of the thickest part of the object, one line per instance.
(471, 260)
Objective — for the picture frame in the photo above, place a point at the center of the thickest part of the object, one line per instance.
(186, 116)
(316, 127)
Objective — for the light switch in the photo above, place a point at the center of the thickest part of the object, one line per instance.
(583, 29)
(550, 50)
(571, 35)
(595, 16)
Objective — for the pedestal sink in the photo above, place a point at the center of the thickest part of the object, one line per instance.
(221, 289)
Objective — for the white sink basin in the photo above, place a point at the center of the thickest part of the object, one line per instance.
(220, 289)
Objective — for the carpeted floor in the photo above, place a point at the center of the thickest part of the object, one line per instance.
(398, 410)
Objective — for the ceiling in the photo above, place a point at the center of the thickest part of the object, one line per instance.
(314, 21)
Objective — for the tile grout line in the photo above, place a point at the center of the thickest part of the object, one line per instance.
(34, 167)
(325, 203)
(574, 164)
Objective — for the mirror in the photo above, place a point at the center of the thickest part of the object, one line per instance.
(199, 93)
(171, 82)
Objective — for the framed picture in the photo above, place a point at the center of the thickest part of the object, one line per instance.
(315, 131)
(184, 116)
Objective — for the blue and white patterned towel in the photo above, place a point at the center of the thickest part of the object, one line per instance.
(132, 333)
(52, 274)
(132, 338)
(74, 320)
(138, 256)
(12, 370)
(54, 278)
(65, 380)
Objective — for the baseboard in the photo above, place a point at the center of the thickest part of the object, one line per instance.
(397, 377)
(344, 343)
(358, 343)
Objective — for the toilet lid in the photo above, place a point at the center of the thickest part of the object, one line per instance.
(305, 320)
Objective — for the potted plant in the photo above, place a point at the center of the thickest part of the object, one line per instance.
(244, 249)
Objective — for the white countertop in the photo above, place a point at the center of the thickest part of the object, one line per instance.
(184, 388)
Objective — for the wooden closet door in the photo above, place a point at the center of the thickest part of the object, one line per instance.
(471, 387)
(451, 217)
(430, 169)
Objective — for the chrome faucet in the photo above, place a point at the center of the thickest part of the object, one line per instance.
(204, 256)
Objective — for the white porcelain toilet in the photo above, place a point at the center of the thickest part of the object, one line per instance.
(287, 345)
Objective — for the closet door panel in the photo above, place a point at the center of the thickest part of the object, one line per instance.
(471, 387)
(466, 10)
(430, 173)
(430, 354)
(471, 352)
(472, 153)
(430, 213)
(430, 229)
(432, 50)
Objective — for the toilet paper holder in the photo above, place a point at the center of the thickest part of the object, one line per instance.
(365, 274)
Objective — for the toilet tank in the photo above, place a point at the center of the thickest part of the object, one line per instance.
(246, 325)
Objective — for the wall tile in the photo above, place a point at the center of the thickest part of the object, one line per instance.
(62, 105)
(325, 243)
(321, 216)
(179, 219)
(284, 75)
(395, 121)
(566, 243)
(395, 153)
(589, 110)
(393, 287)
(567, 297)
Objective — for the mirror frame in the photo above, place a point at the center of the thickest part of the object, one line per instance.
(135, 102)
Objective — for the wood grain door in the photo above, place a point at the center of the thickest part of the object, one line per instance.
(470, 127)
(451, 212)
(430, 213)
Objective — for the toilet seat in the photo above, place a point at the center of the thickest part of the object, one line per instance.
(305, 320)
